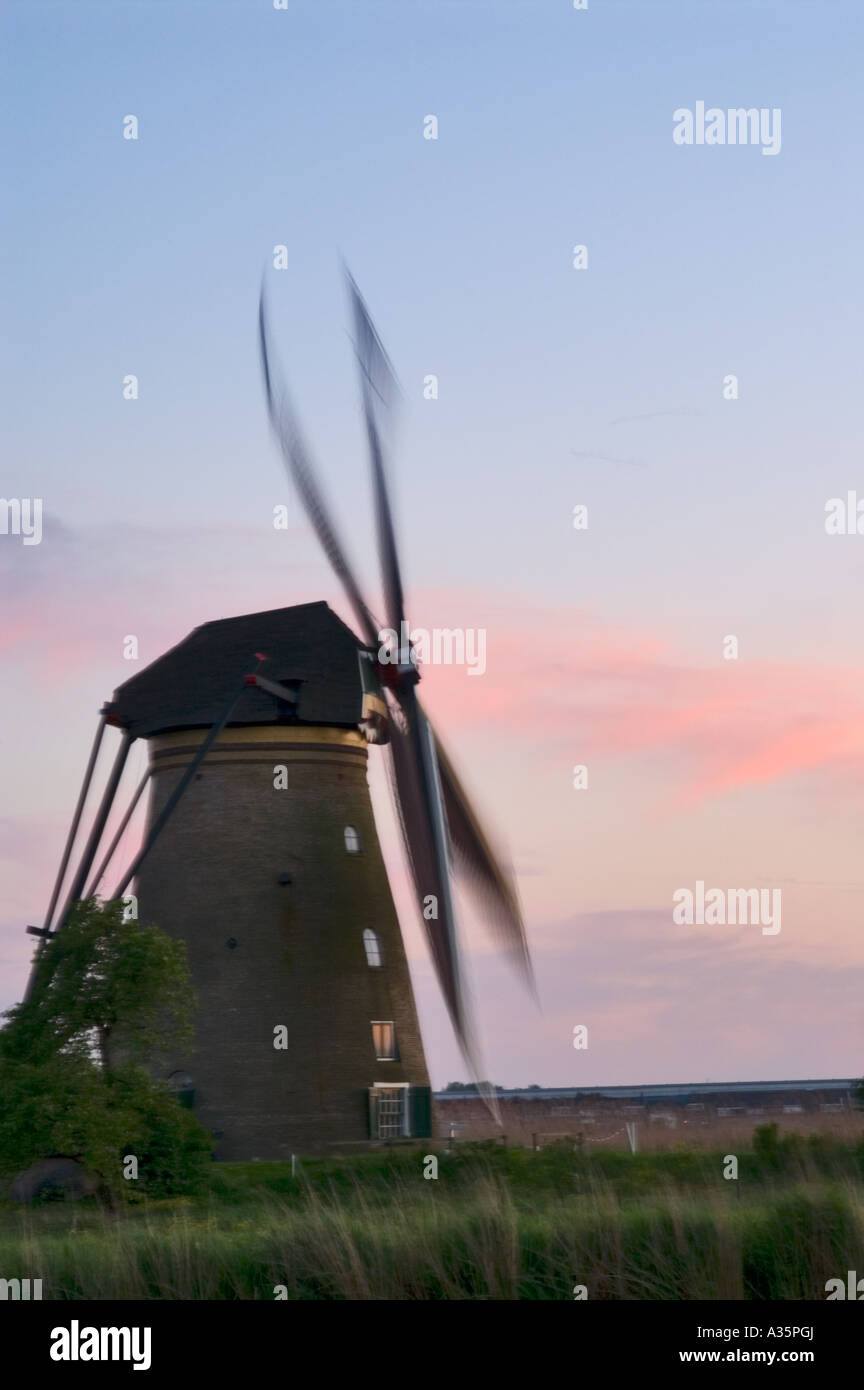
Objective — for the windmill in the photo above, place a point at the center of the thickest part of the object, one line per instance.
(261, 852)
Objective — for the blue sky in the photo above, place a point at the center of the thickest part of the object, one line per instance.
(304, 127)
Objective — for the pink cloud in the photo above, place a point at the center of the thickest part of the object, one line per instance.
(557, 678)
(561, 680)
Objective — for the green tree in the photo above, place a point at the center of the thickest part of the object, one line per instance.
(103, 980)
(471, 1086)
(110, 996)
(60, 1106)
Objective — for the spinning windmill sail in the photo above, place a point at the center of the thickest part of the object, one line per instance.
(442, 833)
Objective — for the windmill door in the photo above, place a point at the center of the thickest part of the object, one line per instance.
(399, 1111)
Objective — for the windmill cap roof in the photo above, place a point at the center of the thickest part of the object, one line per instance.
(190, 686)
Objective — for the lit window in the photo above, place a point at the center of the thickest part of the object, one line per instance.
(372, 946)
(352, 840)
(384, 1041)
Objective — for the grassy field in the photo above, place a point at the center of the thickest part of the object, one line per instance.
(495, 1224)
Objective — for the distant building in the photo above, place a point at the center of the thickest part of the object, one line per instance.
(590, 1110)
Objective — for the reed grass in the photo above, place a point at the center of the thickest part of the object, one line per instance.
(495, 1225)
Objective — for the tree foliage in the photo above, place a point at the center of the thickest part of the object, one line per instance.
(471, 1086)
(110, 996)
(103, 981)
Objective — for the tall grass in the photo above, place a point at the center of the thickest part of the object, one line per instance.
(492, 1226)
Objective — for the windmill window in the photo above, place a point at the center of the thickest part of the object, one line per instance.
(352, 840)
(398, 1110)
(391, 1118)
(384, 1041)
(373, 948)
(183, 1087)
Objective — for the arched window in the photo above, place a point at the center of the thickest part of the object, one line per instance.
(352, 840)
(372, 947)
(183, 1086)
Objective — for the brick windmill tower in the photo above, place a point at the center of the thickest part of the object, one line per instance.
(270, 869)
(261, 851)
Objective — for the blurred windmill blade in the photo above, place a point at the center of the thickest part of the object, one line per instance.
(421, 817)
(476, 861)
(379, 391)
(378, 372)
(419, 805)
(297, 460)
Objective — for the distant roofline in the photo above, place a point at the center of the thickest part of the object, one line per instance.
(660, 1089)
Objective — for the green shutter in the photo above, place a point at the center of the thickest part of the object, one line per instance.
(420, 1101)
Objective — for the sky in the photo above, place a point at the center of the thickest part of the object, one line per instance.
(605, 387)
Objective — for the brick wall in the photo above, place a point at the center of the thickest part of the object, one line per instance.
(299, 958)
